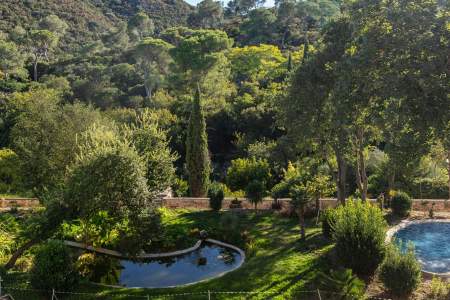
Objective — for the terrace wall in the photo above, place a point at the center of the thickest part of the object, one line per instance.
(19, 202)
(203, 203)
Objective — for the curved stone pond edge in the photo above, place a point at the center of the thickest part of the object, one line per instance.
(197, 245)
(405, 223)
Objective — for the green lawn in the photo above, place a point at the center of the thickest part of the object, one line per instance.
(278, 263)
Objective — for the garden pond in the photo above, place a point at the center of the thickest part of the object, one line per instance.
(206, 262)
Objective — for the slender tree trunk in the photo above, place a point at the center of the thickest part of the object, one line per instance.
(391, 186)
(301, 219)
(341, 178)
(318, 204)
(19, 252)
(361, 174)
(283, 38)
(35, 70)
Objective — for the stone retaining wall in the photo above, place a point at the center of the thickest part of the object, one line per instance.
(18, 202)
(203, 203)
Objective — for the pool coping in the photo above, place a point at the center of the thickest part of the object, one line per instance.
(405, 223)
(197, 245)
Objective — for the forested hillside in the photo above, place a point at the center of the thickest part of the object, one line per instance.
(87, 20)
(317, 83)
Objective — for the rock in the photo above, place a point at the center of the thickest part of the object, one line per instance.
(201, 261)
(203, 234)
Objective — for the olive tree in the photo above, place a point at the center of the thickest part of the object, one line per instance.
(109, 175)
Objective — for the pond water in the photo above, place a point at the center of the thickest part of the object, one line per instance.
(207, 262)
(432, 244)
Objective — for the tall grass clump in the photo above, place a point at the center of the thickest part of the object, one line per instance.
(360, 231)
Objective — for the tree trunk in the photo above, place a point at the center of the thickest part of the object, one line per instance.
(19, 252)
(301, 219)
(361, 174)
(341, 178)
(35, 70)
(148, 91)
(391, 186)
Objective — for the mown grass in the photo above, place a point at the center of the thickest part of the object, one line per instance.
(279, 265)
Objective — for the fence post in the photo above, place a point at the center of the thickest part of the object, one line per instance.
(148, 297)
(318, 294)
(209, 295)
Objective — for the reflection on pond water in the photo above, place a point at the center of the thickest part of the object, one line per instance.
(206, 262)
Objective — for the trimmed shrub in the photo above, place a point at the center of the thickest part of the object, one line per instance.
(401, 204)
(53, 267)
(400, 272)
(328, 219)
(360, 231)
(215, 195)
(255, 192)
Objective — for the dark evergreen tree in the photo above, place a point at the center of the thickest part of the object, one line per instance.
(197, 155)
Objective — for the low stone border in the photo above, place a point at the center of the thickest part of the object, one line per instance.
(405, 223)
(142, 256)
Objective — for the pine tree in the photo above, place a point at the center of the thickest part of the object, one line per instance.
(197, 155)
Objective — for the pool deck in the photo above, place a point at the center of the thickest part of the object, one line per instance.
(405, 223)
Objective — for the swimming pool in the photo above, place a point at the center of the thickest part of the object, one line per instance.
(432, 243)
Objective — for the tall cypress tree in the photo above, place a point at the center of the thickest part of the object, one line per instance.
(197, 155)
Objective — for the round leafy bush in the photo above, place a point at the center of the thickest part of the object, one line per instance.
(215, 195)
(360, 231)
(401, 204)
(400, 272)
(328, 219)
(53, 267)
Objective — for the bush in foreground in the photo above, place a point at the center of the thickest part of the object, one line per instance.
(400, 272)
(215, 195)
(401, 204)
(53, 267)
(360, 231)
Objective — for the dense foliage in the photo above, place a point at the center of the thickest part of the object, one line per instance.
(53, 267)
(101, 112)
(359, 232)
(400, 271)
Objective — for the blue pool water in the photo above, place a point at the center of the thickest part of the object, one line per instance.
(432, 244)
(206, 262)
